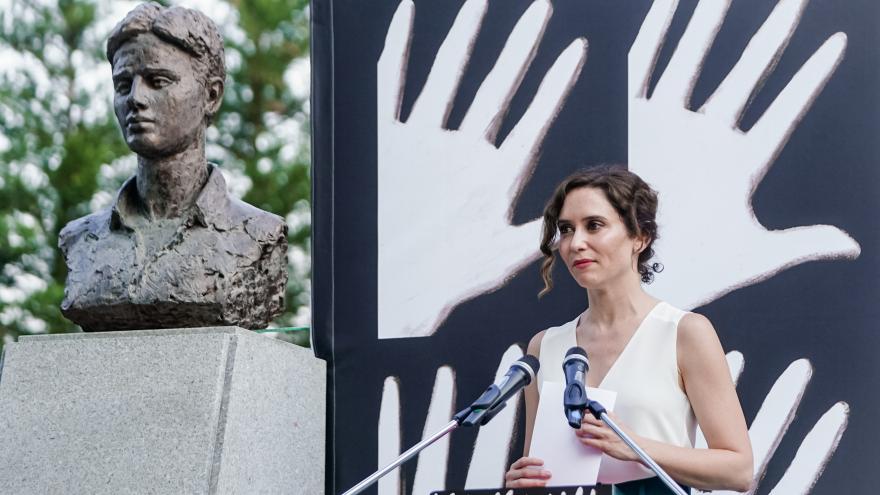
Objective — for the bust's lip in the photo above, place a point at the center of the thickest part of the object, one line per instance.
(137, 119)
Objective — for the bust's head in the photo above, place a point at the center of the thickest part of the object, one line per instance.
(168, 78)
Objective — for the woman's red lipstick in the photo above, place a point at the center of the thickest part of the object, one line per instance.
(582, 263)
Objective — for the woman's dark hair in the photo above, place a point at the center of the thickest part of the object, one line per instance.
(631, 197)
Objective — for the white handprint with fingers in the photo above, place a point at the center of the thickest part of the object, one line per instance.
(706, 169)
(439, 190)
(772, 421)
(489, 460)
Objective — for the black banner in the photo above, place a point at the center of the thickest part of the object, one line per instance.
(758, 126)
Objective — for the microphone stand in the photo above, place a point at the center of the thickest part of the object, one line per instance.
(599, 412)
(415, 449)
(477, 414)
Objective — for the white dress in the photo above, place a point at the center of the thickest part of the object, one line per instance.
(650, 400)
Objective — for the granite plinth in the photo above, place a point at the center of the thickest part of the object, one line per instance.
(208, 410)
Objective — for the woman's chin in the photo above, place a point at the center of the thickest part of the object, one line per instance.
(587, 281)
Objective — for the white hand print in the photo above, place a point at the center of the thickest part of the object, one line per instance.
(439, 190)
(389, 436)
(772, 421)
(489, 461)
(439, 415)
(706, 169)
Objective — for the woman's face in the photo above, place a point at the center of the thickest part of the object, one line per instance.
(593, 240)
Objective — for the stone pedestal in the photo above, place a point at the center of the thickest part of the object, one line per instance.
(207, 410)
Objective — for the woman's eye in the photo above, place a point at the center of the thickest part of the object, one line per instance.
(565, 229)
(594, 226)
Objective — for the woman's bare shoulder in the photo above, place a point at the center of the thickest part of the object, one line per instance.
(697, 341)
(535, 344)
(694, 327)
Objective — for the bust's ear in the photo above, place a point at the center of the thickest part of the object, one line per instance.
(215, 89)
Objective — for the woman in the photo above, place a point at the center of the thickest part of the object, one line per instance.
(666, 365)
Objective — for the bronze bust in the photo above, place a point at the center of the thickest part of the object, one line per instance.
(174, 249)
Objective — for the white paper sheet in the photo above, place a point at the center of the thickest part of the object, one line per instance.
(570, 462)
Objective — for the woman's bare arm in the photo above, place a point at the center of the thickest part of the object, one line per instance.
(529, 471)
(531, 393)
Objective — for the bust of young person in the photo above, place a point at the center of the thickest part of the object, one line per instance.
(174, 249)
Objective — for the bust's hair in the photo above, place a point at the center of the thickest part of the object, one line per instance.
(631, 197)
(187, 29)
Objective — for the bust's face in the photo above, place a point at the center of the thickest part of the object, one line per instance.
(159, 100)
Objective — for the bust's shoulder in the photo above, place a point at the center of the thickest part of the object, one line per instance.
(94, 224)
(261, 225)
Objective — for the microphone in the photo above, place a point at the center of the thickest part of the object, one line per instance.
(493, 400)
(575, 366)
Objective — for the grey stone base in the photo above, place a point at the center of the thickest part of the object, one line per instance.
(184, 411)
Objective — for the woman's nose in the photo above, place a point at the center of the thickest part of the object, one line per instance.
(579, 240)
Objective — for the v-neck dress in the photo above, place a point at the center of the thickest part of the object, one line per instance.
(650, 401)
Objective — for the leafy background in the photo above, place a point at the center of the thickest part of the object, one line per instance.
(62, 154)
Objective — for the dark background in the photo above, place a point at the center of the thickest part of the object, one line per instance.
(826, 174)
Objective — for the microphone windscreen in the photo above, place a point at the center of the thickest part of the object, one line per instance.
(576, 350)
(576, 353)
(532, 362)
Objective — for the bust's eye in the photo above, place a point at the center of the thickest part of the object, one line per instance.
(159, 81)
(122, 86)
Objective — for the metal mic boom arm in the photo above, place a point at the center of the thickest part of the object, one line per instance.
(478, 413)
(482, 409)
(599, 412)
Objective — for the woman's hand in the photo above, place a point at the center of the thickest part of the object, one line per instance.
(526, 472)
(596, 433)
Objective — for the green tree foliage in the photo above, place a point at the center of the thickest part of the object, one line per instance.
(263, 127)
(62, 155)
(52, 153)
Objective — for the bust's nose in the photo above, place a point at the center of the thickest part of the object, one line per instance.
(137, 99)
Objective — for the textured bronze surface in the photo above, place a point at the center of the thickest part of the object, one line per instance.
(174, 249)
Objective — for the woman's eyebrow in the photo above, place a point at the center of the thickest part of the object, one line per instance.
(593, 217)
(583, 219)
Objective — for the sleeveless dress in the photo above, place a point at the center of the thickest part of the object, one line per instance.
(650, 400)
